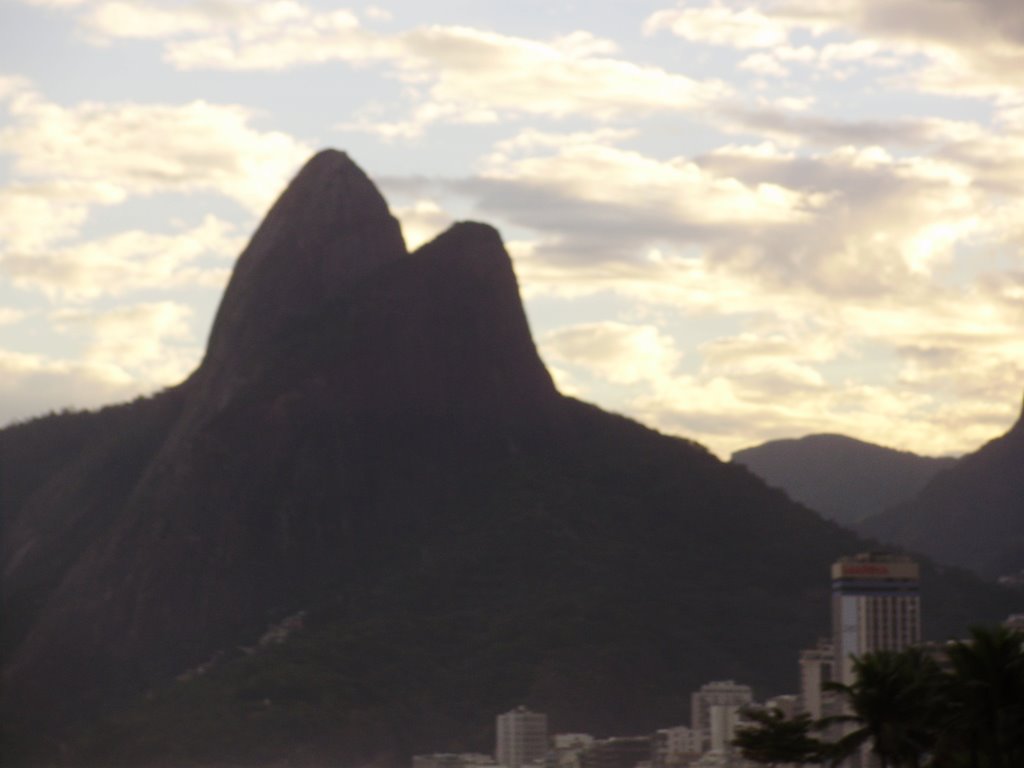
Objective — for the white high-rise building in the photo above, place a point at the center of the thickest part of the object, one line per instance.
(816, 666)
(522, 737)
(876, 606)
(724, 693)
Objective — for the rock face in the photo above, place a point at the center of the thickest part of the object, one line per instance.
(373, 438)
(331, 343)
(329, 229)
(844, 479)
(971, 515)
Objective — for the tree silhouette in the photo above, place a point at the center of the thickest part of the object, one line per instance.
(776, 739)
(986, 690)
(897, 702)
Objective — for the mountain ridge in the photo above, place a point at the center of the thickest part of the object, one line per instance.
(843, 478)
(970, 516)
(391, 456)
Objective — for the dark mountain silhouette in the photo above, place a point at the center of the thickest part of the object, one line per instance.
(971, 515)
(373, 440)
(842, 478)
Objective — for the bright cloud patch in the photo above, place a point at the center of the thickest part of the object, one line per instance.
(455, 74)
(584, 169)
(69, 160)
(845, 265)
(128, 261)
(853, 222)
(969, 47)
(721, 25)
(147, 148)
(421, 222)
(143, 344)
(618, 352)
(129, 351)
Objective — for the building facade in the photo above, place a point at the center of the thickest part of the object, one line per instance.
(677, 746)
(876, 606)
(725, 695)
(453, 760)
(816, 666)
(522, 737)
(617, 752)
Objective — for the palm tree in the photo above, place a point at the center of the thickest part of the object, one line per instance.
(987, 691)
(896, 700)
(777, 739)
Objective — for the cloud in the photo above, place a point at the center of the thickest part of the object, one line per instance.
(128, 261)
(718, 24)
(142, 346)
(619, 352)
(968, 47)
(69, 160)
(452, 73)
(130, 350)
(150, 21)
(574, 74)
(762, 385)
(763, 64)
(465, 75)
(721, 411)
(852, 274)
(854, 223)
(608, 200)
(31, 384)
(422, 221)
(767, 366)
(34, 215)
(787, 125)
(56, 3)
(848, 319)
(12, 85)
(972, 47)
(10, 316)
(275, 36)
(377, 13)
(149, 148)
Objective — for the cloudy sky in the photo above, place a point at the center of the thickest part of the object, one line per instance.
(733, 220)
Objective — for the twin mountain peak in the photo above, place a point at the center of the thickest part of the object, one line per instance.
(372, 437)
(330, 236)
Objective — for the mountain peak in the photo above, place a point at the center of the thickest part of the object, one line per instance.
(329, 229)
(333, 159)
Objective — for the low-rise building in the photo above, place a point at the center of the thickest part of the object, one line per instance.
(617, 752)
(674, 747)
(816, 669)
(723, 693)
(454, 760)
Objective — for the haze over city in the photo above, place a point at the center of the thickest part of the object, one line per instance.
(734, 221)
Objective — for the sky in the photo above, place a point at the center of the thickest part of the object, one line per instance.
(733, 221)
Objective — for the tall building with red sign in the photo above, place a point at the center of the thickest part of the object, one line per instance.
(876, 606)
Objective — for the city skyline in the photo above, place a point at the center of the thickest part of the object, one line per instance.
(733, 221)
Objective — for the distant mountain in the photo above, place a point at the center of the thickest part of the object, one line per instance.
(373, 455)
(972, 515)
(842, 478)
